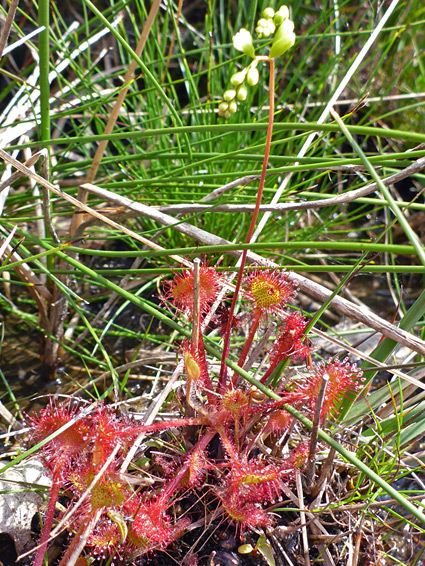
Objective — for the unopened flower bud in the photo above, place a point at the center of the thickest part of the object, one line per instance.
(242, 41)
(242, 93)
(233, 107)
(253, 76)
(227, 114)
(237, 79)
(281, 15)
(265, 28)
(222, 108)
(271, 28)
(229, 95)
(268, 13)
(283, 40)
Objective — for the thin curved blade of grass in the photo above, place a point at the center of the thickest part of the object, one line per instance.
(306, 127)
(412, 423)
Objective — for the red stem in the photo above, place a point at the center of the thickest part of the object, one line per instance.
(247, 345)
(270, 370)
(156, 427)
(173, 486)
(48, 521)
(226, 338)
(227, 443)
(209, 390)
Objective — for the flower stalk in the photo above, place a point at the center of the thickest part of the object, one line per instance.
(226, 337)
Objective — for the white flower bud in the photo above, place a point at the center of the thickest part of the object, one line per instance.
(253, 76)
(283, 40)
(242, 41)
(268, 13)
(222, 108)
(265, 28)
(229, 95)
(281, 15)
(242, 93)
(237, 78)
(233, 107)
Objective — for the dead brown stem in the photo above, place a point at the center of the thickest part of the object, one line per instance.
(315, 433)
(82, 195)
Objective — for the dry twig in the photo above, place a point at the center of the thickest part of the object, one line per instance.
(311, 288)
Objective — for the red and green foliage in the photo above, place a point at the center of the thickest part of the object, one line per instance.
(86, 457)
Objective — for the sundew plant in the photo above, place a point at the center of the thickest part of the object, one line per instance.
(118, 519)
